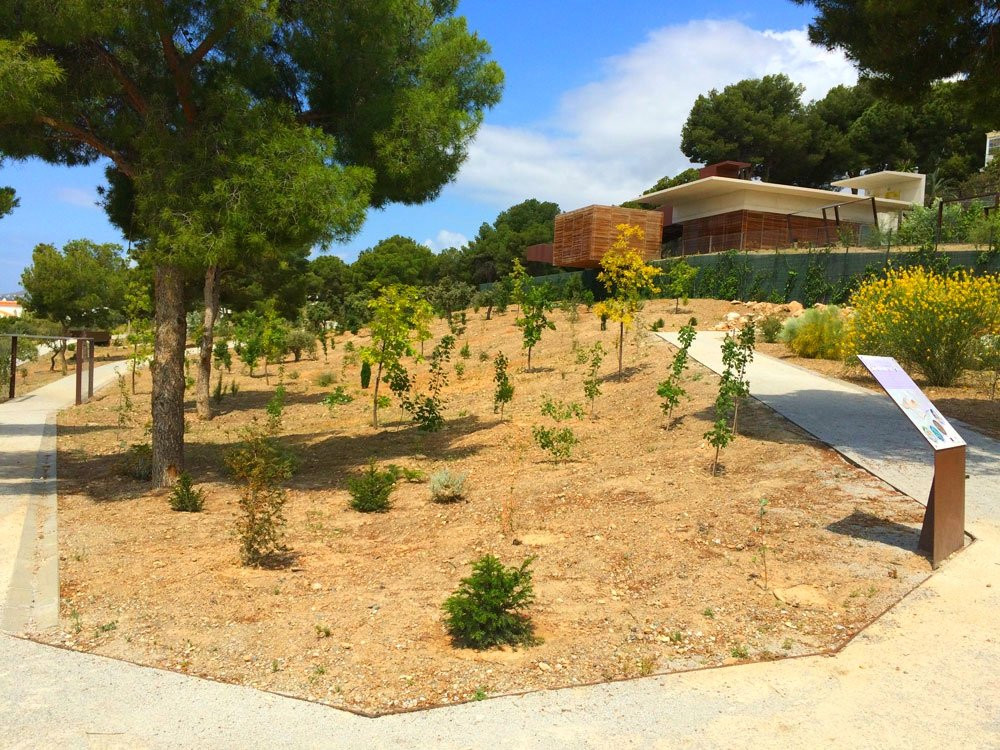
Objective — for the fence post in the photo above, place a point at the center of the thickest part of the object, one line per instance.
(79, 371)
(13, 365)
(90, 373)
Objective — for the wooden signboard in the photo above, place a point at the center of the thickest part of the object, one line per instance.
(943, 530)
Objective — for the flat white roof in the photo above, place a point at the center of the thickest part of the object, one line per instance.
(709, 187)
(885, 177)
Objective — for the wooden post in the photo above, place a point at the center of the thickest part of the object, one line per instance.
(943, 531)
(13, 366)
(79, 372)
(937, 230)
(90, 373)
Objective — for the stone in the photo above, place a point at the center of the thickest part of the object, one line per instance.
(794, 307)
(732, 317)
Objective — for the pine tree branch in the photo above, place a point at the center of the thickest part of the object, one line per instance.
(72, 132)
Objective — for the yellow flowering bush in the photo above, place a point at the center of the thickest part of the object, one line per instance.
(626, 277)
(931, 322)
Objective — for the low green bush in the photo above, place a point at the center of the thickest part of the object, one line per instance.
(371, 490)
(816, 334)
(557, 441)
(138, 462)
(323, 379)
(488, 609)
(259, 465)
(184, 497)
(338, 397)
(447, 486)
(770, 327)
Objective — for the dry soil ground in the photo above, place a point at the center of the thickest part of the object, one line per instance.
(643, 562)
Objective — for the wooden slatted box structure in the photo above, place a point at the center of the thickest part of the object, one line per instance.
(584, 235)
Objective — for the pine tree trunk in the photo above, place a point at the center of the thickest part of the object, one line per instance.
(168, 376)
(203, 387)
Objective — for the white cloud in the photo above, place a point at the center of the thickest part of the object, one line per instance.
(445, 239)
(610, 139)
(77, 197)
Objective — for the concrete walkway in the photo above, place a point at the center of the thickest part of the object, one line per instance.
(923, 675)
(29, 555)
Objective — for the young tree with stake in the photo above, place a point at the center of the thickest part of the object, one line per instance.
(626, 277)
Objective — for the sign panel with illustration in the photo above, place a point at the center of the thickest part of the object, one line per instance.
(915, 405)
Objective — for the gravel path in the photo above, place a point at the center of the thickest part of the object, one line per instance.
(921, 675)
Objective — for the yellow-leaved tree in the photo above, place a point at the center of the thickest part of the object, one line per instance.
(627, 278)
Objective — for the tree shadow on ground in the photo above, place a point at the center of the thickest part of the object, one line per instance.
(627, 372)
(326, 459)
(101, 477)
(871, 528)
(756, 421)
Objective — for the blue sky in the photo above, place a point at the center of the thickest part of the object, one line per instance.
(595, 97)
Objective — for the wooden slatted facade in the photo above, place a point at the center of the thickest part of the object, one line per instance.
(584, 235)
(540, 253)
(754, 230)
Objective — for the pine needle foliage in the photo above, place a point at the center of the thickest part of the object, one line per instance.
(489, 607)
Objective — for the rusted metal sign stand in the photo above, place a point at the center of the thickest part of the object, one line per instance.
(84, 348)
(943, 530)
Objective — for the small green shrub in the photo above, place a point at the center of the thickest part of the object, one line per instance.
(657, 325)
(557, 441)
(234, 388)
(460, 369)
(275, 408)
(488, 609)
(366, 374)
(484, 357)
(222, 356)
(447, 486)
(185, 497)
(323, 379)
(371, 490)
(561, 411)
(504, 392)
(338, 397)
(465, 352)
(138, 462)
(816, 334)
(259, 465)
(770, 327)
(414, 476)
(217, 391)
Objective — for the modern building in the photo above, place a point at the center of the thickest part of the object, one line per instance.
(10, 308)
(992, 145)
(725, 210)
(722, 210)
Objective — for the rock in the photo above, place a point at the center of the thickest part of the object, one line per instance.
(721, 327)
(795, 308)
(732, 317)
(544, 666)
(804, 596)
